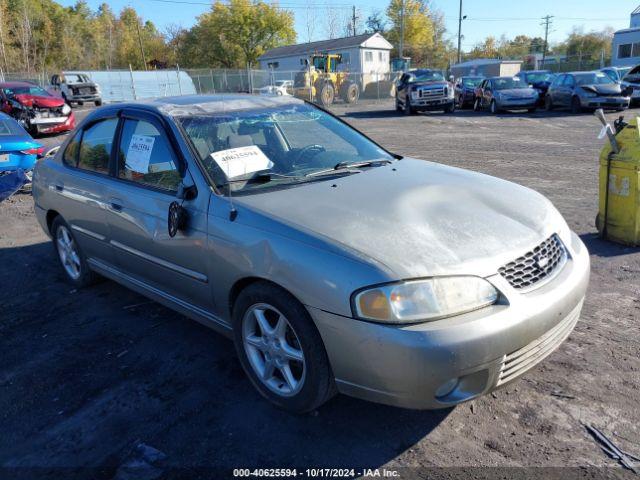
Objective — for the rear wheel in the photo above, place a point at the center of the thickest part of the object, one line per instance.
(450, 108)
(98, 103)
(398, 107)
(493, 107)
(476, 105)
(280, 348)
(532, 110)
(73, 261)
(351, 93)
(548, 103)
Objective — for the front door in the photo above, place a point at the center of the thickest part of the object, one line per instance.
(147, 178)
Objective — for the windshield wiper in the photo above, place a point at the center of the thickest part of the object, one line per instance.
(347, 167)
(262, 177)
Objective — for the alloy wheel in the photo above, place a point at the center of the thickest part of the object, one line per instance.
(273, 349)
(68, 252)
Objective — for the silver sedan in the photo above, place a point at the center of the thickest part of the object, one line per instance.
(335, 265)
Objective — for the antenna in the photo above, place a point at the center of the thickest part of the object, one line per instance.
(233, 213)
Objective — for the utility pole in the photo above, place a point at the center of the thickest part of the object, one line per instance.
(354, 19)
(144, 60)
(546, 22)
(459, 32)
(401, 29)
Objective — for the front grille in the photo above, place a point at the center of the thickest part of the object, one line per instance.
(430, 92)
(44, 112)
(518, 362)
(540, 263)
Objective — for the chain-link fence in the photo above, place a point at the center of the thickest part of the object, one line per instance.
(341, 87)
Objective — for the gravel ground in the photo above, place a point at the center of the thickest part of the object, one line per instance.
(92, 381)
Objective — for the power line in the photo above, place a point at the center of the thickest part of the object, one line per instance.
(546, 22)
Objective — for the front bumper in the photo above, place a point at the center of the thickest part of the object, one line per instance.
(405, 365)
(64, 124)
(517, 104)
(423, 104)
(604, 102)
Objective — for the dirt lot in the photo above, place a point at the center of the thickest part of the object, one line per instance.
(88, 376)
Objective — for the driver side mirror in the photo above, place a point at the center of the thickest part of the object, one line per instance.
(178, 216)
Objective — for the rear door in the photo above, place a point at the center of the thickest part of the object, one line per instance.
(555, 90)
(149, 172)
(81, 187)
(568, 85)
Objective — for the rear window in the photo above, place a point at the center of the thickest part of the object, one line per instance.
(9, 127)
(28, 90)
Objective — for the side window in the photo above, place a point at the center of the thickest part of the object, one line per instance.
(95, 147)
(70, 156)
(568, 81)
(146, 157)
(558, 80)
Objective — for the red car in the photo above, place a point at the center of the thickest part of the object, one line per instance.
(35, 109)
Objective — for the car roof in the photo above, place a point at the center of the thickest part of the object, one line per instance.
(187, 105)
(536, 71)
(17, 84)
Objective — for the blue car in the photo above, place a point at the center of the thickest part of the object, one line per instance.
(18, 155)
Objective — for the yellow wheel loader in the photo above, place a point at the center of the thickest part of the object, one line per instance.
(320, 82)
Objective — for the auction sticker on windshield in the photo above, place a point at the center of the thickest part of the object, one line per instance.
(236, 162)
(139, 153)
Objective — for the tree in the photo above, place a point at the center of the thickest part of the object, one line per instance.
(418, 27)
(235, 34)
(376, 23)
(588, 46)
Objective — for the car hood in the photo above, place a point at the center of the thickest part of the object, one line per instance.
(518, 92)
(39, 101)
(607, 89)
(415, 218)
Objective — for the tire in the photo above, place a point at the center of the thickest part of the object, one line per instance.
(532, 110)
(576, 107)
(398, 107)
(548, 103)
(351, 93)
(476, 105)
(450, 108)
(493, 107)
(461, 102)
(257, 349)
(408, 109)
(98, 103)
(85, 276)
(80, 104)
(327, 94)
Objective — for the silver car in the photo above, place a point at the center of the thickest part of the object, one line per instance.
(505, 93)
(586, 91)
(335, 265)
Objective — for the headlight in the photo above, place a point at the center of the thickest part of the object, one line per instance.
(66, 109)
(414, 94)
(422, 300)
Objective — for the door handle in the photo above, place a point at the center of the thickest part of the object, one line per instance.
(115, 206)
(58, 188)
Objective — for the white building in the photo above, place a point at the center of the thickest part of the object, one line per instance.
(367, 53)
(625, 49)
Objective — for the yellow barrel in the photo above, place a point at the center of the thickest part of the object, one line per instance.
(623, 203)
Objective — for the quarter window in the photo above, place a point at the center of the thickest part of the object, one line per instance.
(145, 156)
(70, 156)
(95, 148)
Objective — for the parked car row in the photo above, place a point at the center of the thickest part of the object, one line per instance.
(425, 89)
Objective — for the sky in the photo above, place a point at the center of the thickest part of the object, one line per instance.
(484, 17)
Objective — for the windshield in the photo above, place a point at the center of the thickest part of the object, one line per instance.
(76, 78)
(592, 78)
(538, 77)
(288, 143)
(426, 76)
(471, 82)
(29, 90)
(506, 83)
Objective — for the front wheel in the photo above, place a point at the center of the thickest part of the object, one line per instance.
(327, 94)
(408, 109)
(98, 103)
(280, 349)
(548, 103)
(532, 110)
(493, 108)
(576, 106)
(450, 108)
